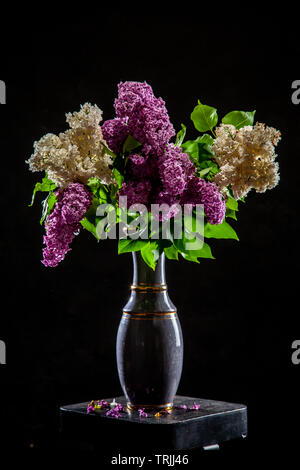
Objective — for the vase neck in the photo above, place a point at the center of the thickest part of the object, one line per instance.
(143, 274)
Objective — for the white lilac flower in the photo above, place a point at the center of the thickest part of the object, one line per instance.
(246, 158)
(76, 154)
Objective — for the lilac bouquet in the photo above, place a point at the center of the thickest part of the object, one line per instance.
(91, 169)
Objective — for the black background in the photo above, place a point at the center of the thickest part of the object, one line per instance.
(239, 312)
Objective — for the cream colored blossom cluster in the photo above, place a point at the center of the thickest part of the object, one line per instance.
(246, 158)
(76, 154)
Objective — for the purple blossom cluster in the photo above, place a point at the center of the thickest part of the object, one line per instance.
(161, 173)
(199, 191)
(175, 169)
(137, 192)
(144, 116)
(64, 222)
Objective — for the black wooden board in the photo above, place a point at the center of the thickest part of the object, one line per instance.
(214, 423)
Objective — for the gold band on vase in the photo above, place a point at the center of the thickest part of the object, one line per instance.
(165, 406)
(143, 287)
(149, 315)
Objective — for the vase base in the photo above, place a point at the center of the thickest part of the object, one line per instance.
(165, 406)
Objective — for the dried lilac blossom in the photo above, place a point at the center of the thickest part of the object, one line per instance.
(142, 413)
(116, 411)
(196, 406)
(103, 404)
(113, 413)
(182, 407)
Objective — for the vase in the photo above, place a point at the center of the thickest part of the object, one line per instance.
(149, 340)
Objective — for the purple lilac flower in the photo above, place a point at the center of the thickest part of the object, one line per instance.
(146, 116)
(175, 168)
(64, 222)
(199, 191)
(115, 132)
(136, 192)
(171, 201)
(141, 167)
(142, 413)
(90, 408)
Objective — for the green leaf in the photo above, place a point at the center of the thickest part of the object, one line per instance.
(202, 143)
(99, 190)
(113, 191)
(90, 226)
(192, 224)
(204, 117)
(184, 244)
(205, 139)
(46, 185)
(231, 203)
(230, 213)
(48, 205)
(205, 252)
(90, 220)
(130, 144)
(205, 171)
(120, 163)
(128, 245)
(193, 255)
(223, 230)
(190, 147)
(189, 258)
(239, 119)
(109, 152)
(150, 254)
(103, 193)
(180, 136)
(94, 184)
(201, 154)
(171, 252)
(118, 177)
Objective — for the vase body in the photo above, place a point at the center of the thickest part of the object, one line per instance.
(149, 340)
